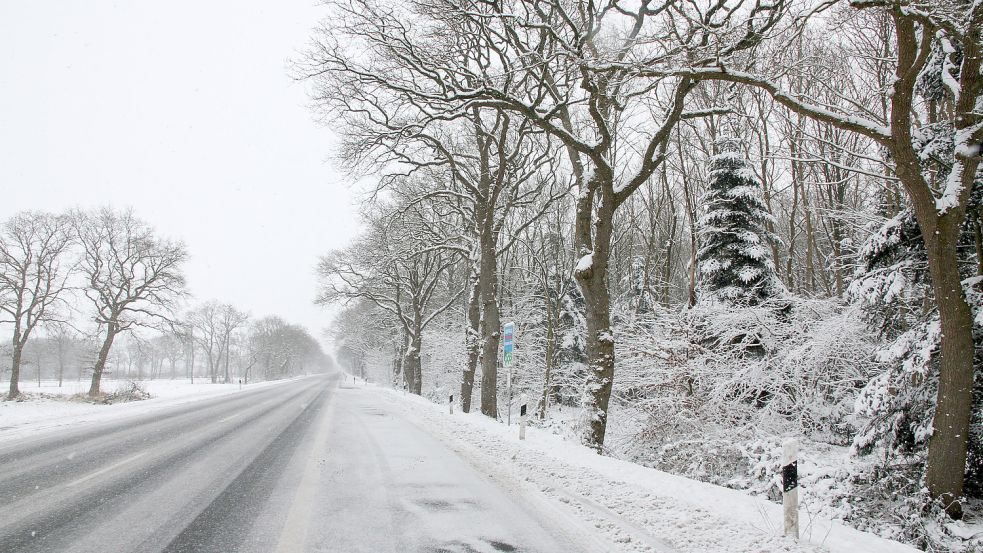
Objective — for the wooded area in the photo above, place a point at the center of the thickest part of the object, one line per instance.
(721, 221)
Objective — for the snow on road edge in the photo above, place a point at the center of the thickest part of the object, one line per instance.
(637, 508)
(35, 416)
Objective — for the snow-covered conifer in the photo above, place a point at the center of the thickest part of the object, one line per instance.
(734, 258)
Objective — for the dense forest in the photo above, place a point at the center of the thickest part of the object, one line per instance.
(714, 224)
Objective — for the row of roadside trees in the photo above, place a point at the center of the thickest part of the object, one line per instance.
(562, 139)
(85, 279)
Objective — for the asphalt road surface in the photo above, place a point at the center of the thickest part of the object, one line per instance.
(311, 465)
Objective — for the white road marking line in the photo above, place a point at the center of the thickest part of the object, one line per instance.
(230, 417)
(293, 537)
(106, 469)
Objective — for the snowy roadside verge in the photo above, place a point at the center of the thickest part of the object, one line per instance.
(37, 414)
(638, 508)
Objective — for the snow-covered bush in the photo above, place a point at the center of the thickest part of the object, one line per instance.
(712, 380)
(131, 391)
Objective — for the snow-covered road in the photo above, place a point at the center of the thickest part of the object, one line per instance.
(320, 464)
(309, 465)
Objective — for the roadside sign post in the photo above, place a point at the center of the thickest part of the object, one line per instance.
(522, 417)
(790, 487)
(508, 334)
(450, 403)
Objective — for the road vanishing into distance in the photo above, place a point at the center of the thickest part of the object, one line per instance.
(310, 465)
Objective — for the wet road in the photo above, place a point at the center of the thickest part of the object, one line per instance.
(311, 465)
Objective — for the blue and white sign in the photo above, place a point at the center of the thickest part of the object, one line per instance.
(508, 332)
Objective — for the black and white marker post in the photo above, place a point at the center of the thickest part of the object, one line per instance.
(522, 417)
(790, 487)
(450, 403)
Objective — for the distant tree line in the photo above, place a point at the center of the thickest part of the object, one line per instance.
(94, 293)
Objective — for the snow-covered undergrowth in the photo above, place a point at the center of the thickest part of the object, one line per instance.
(49, 406)
(710, 393)
(634, 508)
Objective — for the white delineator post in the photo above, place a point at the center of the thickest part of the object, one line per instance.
(790, 486)
(450, 403)
(522, 417)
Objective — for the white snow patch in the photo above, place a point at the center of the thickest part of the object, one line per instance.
(585, 263)
(633, 507)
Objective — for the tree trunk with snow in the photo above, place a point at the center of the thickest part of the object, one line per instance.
(550, 390)
(112, 329)
(594, 226)
(491, 320)
(939, 222)
(472, 340)
(412, 365)
(17, 350)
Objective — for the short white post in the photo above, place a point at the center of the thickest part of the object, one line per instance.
(790, 486)
(450, 404)
(522, 417)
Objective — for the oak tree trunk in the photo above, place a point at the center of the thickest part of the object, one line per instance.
(944, 473)
(592, 279)
(549, 389)
(16, 354)
(472, 342)
(490, 323)
(111, 330)
(412, 367)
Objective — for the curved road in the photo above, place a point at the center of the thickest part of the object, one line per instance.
(310, 465)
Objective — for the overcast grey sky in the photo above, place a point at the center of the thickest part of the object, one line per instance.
(184, 111)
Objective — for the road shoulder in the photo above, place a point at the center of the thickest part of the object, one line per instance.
(633, 507)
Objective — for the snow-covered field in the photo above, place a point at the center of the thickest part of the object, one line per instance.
(48, 407)
(639, 508)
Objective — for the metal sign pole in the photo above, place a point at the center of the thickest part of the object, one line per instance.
(508, 334)
(510, 397)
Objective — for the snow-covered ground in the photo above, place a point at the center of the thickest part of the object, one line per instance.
(639, 508)
(634, 507)
(49, 407)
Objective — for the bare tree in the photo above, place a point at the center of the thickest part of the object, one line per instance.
(592, 114)
(206, 327)
(387, 268)
(230, 321)
(133, 276)
(492, 162)
(66, 343)
(33, 274)
(535, 60)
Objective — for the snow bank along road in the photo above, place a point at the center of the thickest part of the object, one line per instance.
(309, 465)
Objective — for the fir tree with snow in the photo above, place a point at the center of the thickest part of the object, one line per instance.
(735, 261)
